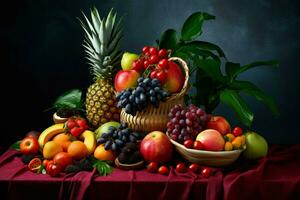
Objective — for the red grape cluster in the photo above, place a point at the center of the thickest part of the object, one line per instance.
(186, 122)
(154, 58)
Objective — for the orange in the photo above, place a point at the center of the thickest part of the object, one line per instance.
(77, 150)
(62, 139)
(50, 149)
(101, 154)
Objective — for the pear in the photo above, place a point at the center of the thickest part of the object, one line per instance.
(256, 146)
(104, 128)
(127, 60)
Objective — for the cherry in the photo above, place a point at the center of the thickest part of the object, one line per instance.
(206, 172)
(163, 64)
(152, 167)
(181, 168)
(188, 144)
(163, 170)
(153, 51)
(163, 53)
(145, 49)
(198, 145)
(194, 167)
(146, 64)
(153, 59)
(161, 76)
(138, 65)
(237, 131)
(153, 74)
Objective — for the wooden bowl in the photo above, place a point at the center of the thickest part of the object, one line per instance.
(208, 158)
(156, 119)
(133, 166)
(57, 119)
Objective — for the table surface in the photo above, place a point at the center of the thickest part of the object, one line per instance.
(276, 176)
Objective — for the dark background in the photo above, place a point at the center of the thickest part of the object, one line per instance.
(41, 54)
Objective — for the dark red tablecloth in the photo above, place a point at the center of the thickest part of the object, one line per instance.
(275, 177)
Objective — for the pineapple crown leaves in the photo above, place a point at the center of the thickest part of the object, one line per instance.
(102, 43)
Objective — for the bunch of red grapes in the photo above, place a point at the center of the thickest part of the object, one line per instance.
(155, 60)
(186, 122)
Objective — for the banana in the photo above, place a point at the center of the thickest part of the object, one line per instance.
(89, 140)
(49, 133)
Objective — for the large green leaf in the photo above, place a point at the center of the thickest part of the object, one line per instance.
(252, 90)
(206, 46)
(231, 68)
(70, 99)
(192, 27)
(168, 39)
(211, 67)
(241, 109)
(194, 50)
(244, 68)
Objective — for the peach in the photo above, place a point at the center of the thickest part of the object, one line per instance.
(218, 123)
(126, 79)
(211, 139)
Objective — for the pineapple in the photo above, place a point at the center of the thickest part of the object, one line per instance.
(101, 44)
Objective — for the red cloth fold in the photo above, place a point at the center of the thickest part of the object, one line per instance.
(275, 177)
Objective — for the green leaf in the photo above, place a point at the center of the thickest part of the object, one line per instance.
(244, 68)
(168, 39)
(207, 46)
(102, 167)
(16, 145)
(192, 27)
(211, 67)
(252, 90)
(241, 109)
(193, 50)
(70, 99)
(231, 68)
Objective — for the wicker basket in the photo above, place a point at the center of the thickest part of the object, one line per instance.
(208, 158)
(156, 119)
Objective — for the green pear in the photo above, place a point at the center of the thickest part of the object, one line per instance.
(256, 146)
(127, 60)
(105, 127)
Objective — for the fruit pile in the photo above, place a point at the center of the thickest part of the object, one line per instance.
(93, 137)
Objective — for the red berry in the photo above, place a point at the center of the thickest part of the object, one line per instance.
(163, 64)
(71, 123)
(163, 53)
(161, 76)
(237, 131)
(146, 64)
(153, 51)
(153, 59)
(180, 168)
(153, 74)
(188, 144)
(138, 66)
(152, 167)
(81, 123)
(145, 49)
(163, 170)
(194, 167)
(76, 131)
(206, 172)
(198, 145)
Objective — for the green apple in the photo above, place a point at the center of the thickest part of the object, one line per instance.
(256, 146)
(104, 128)
(127, 60)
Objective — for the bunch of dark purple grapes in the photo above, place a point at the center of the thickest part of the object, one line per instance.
(186, 122)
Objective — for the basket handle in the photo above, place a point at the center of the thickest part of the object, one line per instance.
(186, 71)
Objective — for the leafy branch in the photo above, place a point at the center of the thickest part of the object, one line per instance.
(205, 60)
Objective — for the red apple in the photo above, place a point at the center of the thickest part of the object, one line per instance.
(156, 147)
(175, 78)
(126, 79)
(211, 140)
(218, 123)
(29, 145)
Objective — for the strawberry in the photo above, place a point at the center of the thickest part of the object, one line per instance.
(76, 131)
